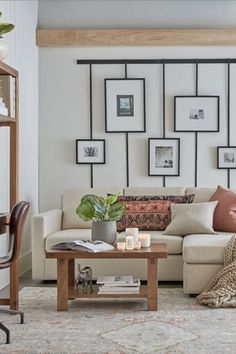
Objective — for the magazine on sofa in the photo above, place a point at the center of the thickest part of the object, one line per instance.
(84, 245)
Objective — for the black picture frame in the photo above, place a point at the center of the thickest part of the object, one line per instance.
(225, 165)
(162, 169)
(135, 121)
(199, 113)
(93, 144)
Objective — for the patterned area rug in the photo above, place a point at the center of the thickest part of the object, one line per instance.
(181, 326)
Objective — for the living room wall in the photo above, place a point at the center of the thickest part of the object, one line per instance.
(64, 94)
(64, 117)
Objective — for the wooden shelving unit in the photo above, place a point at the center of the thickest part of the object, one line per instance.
(13, 124)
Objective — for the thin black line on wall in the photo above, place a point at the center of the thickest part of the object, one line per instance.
(127, 142)
(163, 110)
(91, 116)
(228, 121)
(196, 133)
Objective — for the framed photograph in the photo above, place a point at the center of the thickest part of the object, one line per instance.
(125, 105)
(226, 157)
(196, 114)
(163, 157)
(90, 151)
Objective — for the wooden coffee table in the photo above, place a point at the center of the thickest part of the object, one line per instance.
(66, 273)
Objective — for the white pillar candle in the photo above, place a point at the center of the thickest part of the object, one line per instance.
(129, 243)
(132, 231)
(137, 245)
(145, 240)
(120, 246)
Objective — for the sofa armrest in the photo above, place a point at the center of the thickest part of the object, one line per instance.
(42, 225)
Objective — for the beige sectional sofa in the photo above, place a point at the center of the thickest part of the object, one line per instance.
(195, 259)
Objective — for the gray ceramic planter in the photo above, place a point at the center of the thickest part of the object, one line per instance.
(104, 231)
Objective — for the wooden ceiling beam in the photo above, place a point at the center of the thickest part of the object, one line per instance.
(135, 37)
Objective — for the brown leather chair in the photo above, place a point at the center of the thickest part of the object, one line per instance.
(16, 224)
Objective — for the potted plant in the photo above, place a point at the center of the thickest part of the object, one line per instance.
(104, 212)
(4, 28)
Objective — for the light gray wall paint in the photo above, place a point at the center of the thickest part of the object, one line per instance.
(137, 13)
(64, 117)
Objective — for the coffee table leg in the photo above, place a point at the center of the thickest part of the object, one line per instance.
(71, 274)
(152, 284)
(62, 284)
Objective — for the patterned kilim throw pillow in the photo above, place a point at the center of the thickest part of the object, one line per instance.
(149, 213)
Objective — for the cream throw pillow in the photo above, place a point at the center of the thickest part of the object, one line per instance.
(196, 218)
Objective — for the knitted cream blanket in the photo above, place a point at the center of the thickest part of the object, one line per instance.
(221, 292)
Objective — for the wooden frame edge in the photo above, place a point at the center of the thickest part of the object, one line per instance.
(134, 37)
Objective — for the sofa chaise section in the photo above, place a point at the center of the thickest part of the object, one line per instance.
(203, 257)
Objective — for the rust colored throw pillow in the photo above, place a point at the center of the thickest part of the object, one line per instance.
(225, 213)
(149, 213)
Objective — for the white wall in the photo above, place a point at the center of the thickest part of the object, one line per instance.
(23, 55)
(64, 117)
(137, 13)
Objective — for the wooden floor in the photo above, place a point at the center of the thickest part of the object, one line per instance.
(26, 280)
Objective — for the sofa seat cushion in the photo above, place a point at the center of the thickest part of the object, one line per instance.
(174, 243)
(205, 248)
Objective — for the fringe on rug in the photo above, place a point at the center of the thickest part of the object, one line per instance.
(221, 292)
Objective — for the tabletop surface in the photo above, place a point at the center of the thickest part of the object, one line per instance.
(156, 250)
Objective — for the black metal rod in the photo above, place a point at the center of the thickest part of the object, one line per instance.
(91, 116)
(228, 121)
(91, 100)
(127, 159)
(126, 70)
(228, 102)
(156, 61)
(196, 133)
(91, 175)
(127, 140)
(164, 111)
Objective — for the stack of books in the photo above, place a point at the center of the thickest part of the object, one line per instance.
(118, 285)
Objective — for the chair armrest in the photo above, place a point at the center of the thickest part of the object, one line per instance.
(42, 225)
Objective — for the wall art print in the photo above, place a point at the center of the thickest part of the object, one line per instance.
(163, 157)
(90, 151)
(196, 113)
(125, 105)
(226, 157)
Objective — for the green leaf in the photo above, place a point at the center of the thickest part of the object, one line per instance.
(116, 211)
(100, 209)
(85, 211)
(100, 200)
(88, 198)
(111, 199)
(5, 28)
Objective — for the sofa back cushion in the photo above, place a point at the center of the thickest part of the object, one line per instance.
(201, 194)
(154, 191)
(71, 199)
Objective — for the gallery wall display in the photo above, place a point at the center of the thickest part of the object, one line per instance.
(196, 113)
(163, 157)
(90, 151)
(226, 157)
(125, 112)
(125, 105)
